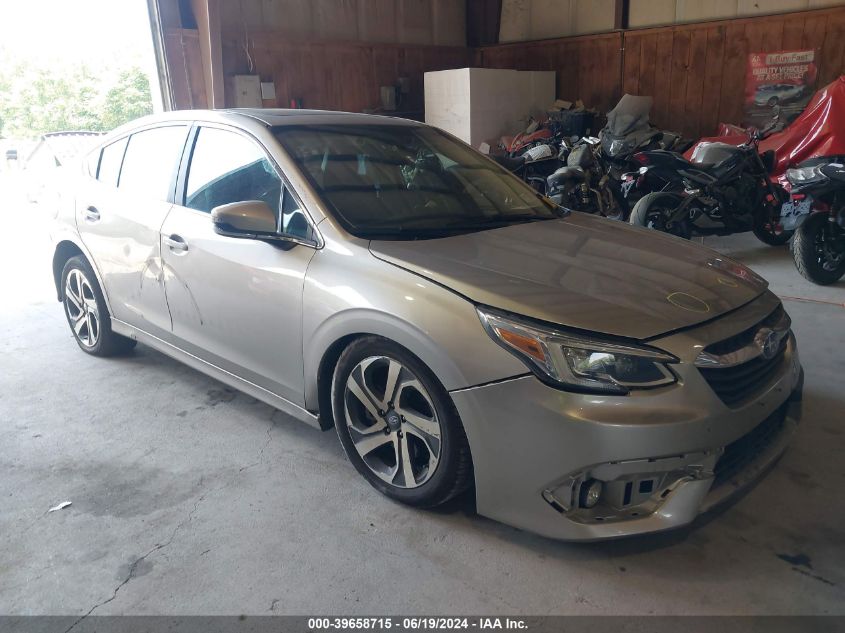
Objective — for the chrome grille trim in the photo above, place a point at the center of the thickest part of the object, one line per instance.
(764, 339)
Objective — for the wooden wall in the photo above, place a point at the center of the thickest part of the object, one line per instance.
(335, 75)
(434, 22)
(184, 63)
(588, 67)
(695, 72)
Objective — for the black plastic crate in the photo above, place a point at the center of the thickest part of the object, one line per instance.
(574, 123)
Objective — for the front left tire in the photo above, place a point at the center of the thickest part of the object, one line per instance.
(87, 313)
(397, 424)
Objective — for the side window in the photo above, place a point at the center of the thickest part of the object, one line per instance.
(293, 218)
(152, 157)
(92, 162)
(227, 167)
(110, 161)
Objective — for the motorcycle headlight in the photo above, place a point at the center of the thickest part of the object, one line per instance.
(619, 147)
(804, 175)
(577, 362)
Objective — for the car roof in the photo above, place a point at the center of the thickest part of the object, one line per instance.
(277, 117)
(256, 117)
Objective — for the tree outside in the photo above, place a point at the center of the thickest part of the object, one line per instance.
(35, 99)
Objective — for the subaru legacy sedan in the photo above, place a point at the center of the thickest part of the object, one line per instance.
(378, 277)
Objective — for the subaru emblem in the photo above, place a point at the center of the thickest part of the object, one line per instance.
(768, 341)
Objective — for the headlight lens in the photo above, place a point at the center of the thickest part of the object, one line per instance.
(579, 362)
(620, 146)
(803, 175)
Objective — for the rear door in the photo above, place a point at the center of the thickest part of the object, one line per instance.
(237, 303)
(120, 218)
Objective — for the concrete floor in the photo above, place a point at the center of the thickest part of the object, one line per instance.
(190, 498)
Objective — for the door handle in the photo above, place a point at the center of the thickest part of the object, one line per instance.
(175, 243)
(91, 214)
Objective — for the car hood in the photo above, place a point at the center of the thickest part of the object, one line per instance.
(584, 272)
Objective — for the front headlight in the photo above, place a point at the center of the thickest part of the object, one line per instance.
(576, 362)
(804, 175)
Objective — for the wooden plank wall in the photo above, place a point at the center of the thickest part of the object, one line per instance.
(335, 75)
(184, 61)
(588, 67)
(695, 72)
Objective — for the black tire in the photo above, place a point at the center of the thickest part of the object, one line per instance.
(453, 472)
(808, 251)
(772, 102)
(621, 204)
(654, 209)
(104, 342)
(770, 238)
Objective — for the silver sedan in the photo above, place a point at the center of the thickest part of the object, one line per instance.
(378, 277)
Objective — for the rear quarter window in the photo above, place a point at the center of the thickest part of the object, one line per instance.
(110, 160)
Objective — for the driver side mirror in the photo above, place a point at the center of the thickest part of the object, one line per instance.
(249, 219)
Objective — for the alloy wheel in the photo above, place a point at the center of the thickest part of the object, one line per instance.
(81, 307)
(392, 422)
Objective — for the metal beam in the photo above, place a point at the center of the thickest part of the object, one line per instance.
(164, 87)
(622, 11)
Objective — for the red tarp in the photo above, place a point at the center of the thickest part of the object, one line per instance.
(818, 131)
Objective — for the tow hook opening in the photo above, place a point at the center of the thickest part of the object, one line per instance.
(620, 491)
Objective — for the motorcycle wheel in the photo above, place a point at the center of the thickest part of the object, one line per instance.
(618, 205)
(771, 238)
(653, 211)
(817, 256)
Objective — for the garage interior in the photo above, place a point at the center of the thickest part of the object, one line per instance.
(191, 498)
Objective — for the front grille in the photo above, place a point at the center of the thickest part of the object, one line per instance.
(746, 336)
(746, 449)
(736, 384)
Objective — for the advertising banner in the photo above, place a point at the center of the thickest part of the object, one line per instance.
(782, 80)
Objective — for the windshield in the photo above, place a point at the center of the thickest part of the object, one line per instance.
(408, 182)
(629, 115)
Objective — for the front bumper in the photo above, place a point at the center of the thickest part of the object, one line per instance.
(533, 445)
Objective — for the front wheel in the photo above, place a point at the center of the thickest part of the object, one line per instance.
(655, 210)
(819, 250)
(398, 425)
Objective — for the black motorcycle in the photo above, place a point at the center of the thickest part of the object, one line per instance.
(584, 185)
(627, 133)
(534, 165)
(819, 245)
(725, 189)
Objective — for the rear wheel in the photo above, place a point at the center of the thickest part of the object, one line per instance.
(86, 311)
(767, 235)
(398, 425)
(819, 250)
(655, 210)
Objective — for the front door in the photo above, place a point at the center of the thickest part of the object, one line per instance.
(236, 303)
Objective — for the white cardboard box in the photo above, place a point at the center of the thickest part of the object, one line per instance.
(483, 104)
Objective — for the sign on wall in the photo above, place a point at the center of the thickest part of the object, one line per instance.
(783, 79)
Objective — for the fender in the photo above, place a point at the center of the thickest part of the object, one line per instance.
(367, 321)
(62, 234)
